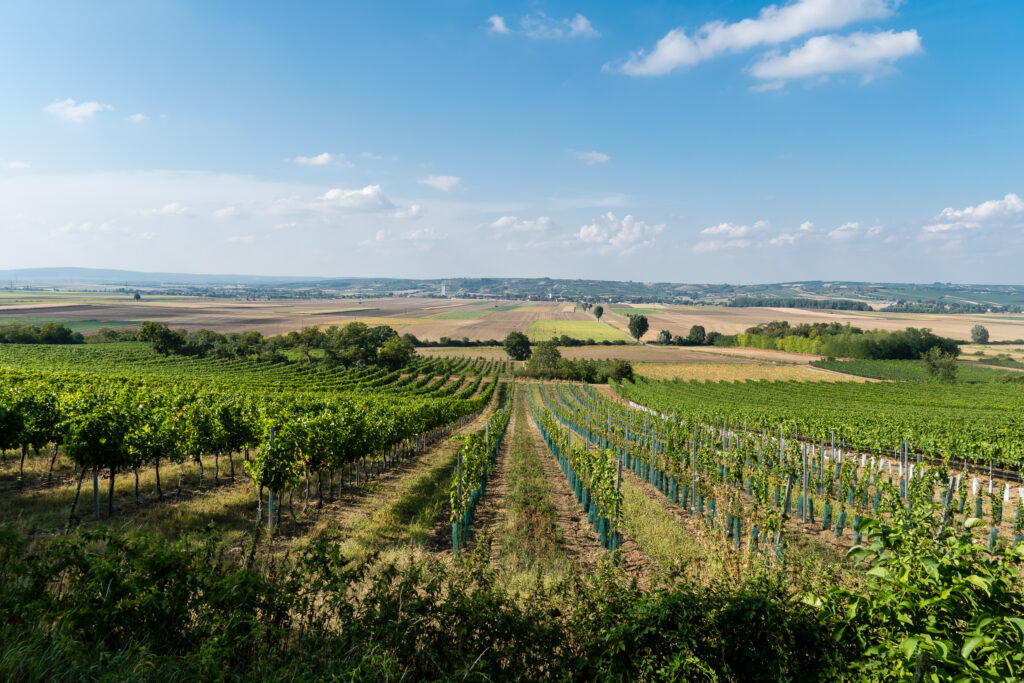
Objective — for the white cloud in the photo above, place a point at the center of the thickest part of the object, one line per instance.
(413, 211)
(865, 53)
(75, 112)
(788, 238)
(14, 165)
(541, 26)
(324, 159)
(592, 158)
(226, 212)
(717, 245)
(445, 183)
(625, 236)
(852, 230)
(953, 223)
(369, 198)
(378, 157)
(138, 118)
(497, 24)
(172, 209)
(773, 26)
(732, 230)
(513, 224)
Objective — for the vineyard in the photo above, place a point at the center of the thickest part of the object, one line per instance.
(449, 504)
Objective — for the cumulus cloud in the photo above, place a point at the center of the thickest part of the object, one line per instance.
(369, 198)
(14, 165)
(592, 158)
(854, 230)
(788, 238)
(773, 26)
(540, 25)
(996, 213)
(732, 230)
(172, 209)
(138, 118)
(497, 24)
(514, 224)
(323, 159)
(413, 211)
(864, 53)
(75, 112)
(226, 212)
(445, 183)
(610, 234)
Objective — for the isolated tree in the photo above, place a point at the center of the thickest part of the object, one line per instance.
(517, 346)
(697, 336)
(395, 353)
(638, 325)
(664, 337)
(941, 365)
(979, 335)
(138, 297)
(598, 311)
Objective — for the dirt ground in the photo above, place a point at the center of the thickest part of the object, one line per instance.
(679, 319)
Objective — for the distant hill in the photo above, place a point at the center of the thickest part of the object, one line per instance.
(937, 297)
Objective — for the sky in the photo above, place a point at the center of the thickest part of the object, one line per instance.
(724, 142)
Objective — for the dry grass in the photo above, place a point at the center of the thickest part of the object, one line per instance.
(734, 372)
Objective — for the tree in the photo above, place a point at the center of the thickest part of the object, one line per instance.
(697, 336)
(979, 335)
(664, 337)
(638, 325)
(517, 346)
(598, 311)
(395, 353)
(137, 297)
(165, 341)
(544, 359)
(940, 365)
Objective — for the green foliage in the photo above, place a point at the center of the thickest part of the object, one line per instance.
(48, 333)
(834, 340)
(544, 359)
(638, 325)
(598, 311)
(396, 353)
(979, 334)
(664, 337)
(941, 366)
(696, 336)
(936, 605)
(517, 346)
(909, 370)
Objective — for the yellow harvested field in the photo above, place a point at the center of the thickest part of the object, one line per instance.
(537, 309)
(396, 323)
(737, 372)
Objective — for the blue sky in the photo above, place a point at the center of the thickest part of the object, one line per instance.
(691, 142)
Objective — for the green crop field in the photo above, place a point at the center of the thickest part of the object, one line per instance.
(640, 311)
(544, 330)
(74, 324)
